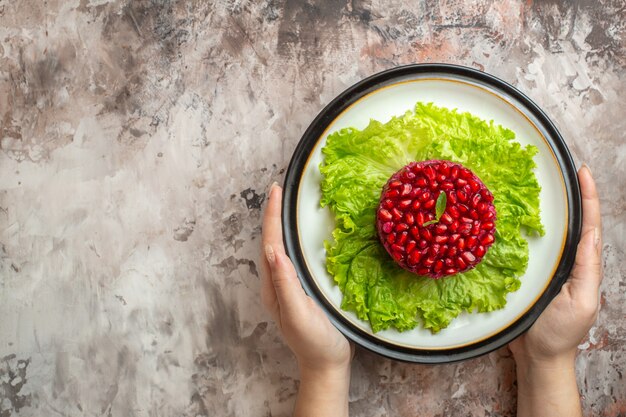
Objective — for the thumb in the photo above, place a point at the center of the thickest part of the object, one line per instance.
(289, 292)
(587, 273)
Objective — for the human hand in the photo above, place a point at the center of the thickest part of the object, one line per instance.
(323, 353)
(318, 346)
(555, 335)
(544, 355)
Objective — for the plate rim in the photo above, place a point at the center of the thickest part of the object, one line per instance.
(310, 139)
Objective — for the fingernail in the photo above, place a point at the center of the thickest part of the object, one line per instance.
(587, 166)
(269, 254)
(272, 187)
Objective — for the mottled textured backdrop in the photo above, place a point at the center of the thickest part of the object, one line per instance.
(137, 143)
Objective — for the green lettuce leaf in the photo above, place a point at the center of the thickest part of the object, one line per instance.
(357, 164)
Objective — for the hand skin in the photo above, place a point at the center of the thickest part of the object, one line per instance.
(322, 352)
(545, 355)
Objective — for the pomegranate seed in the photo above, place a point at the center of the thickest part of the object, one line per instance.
(441, 239)
(416, 204)
(471, 242)
(384, 215)
(395, 184)
(474, 185)
(440, 228)
(482, 206)
(393, 194)
(428, 262)
(475, 229)
(398, 256)
(480, 251)
(414, 192)
(406, 189)
(388, 204)
(446, 186)
(429, 172)
(449, 262)
(463, 208)
(403, 238)
(434, 250)
(411, 245)
(460, 182)
(468, 257)
(454, 173)
(426, 234)
(415, 232)
(488, 215)
(466, 220)
(421, 182)
(420, 218)
(451, 251)
(452, 197)
(438, 266)
(454, 226)
(391, 238)
(486, 195)
(414, 257)
(465, 229)
(404, 204)
(397, 214)
(446, 218)
(454, 212)
(397, 248)
(487, 239)
(454, 237)
(409, 219)
(461, 263)
(440, 177)
(429, 204)
(409, 175)
(462, 196)
(444, 169)
(460, 244)
(425, 196)
(422, 244)
(466, 173)
(387, 227)
(450, 271)
(434, 186)
(422, 271)
(401, 227)
(475, 200)
(473, 215)
(487, 226)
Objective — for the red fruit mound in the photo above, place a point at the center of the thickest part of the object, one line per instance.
(458, 241)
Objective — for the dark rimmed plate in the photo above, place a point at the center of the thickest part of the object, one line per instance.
(391, 93)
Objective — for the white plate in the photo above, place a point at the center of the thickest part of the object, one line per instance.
(381, 97)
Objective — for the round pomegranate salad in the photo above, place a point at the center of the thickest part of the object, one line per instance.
(436, 218)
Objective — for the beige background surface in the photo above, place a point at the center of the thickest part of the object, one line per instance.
(137, 142)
